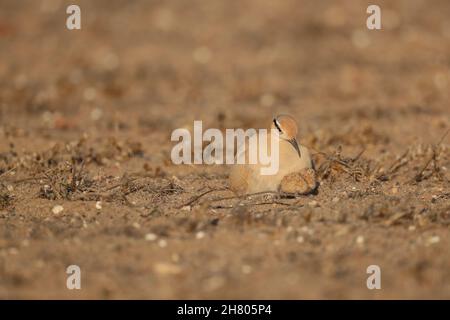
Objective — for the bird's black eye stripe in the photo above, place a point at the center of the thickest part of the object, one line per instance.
(275, 122)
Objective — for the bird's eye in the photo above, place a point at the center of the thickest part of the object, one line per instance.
(275, 122)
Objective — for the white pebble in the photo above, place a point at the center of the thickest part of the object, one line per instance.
(434, 240)
(166, 268)
(200, 235)
(151, 237)
(360, 240)
(57, 209)
(98, 205)
(246, 269)
(162, 243)
(136, 225)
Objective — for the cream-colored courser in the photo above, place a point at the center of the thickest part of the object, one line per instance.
(296, 173)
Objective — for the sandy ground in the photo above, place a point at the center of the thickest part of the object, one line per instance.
(85, 123)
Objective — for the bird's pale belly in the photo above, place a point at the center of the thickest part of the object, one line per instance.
(289, 163)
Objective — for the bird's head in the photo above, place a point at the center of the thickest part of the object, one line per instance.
(287, 130)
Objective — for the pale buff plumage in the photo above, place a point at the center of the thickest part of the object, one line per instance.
(295, 175)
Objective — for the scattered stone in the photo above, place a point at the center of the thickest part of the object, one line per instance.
(307, 230)
(434, 240)
(98, 205)
(246, 269)
(162, 243)
(300, 239)
(136, 225)
(57, 209)
(360, 240)
(166, 269)
(151, 237)
(214, 283)
(186, 208)
(200, 235)
(96, 114)
(336, 199)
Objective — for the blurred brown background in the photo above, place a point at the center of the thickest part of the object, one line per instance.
(86, 116)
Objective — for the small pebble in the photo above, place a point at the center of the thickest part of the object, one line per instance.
(214, 283)
(166, 268)
(162, 243)
(151, 237)
(307, 230)
(335, 199)
(434, 240)
(360, 240)
(246, 269)
(300, 239)
(57, 209)
(200, 235)
(98, 205)
(186, 208)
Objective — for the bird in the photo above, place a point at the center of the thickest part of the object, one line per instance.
(296, 174)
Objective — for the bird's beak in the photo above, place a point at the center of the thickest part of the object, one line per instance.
(295, 145)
